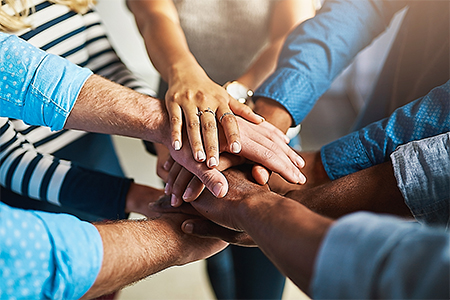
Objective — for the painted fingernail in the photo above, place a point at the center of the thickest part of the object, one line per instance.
(173, 200)
(188, 228)
(200, 156)
(236, 147)
(300, 162)
(217, 189)
(187, 193)
(177, 145)
(212, 162)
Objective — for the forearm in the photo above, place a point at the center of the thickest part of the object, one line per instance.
(105, 107)
(164, 39)
(290, 242)
(373, 189)
(147, 251)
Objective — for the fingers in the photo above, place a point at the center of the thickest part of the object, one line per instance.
(192, 116)
(176, 122)
(205, 228)
(230, 128)
(210, 137)
(260, 174)
(245, 112)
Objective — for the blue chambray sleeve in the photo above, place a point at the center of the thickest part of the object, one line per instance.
(368, 256)
(37, 87)
(425, 117)
(46, 256)
(320, 48)
(422, 170)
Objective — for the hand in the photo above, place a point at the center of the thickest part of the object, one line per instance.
(139, 197)
(262, 143)
(200, 226)
(202, 102)
(221, 211)
(313, 170)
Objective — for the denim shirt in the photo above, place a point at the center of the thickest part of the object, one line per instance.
(425, 117)
(40, 253)
(37, 87)
(320, 48)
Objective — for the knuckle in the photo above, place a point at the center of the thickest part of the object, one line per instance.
(209, 126)
(194, 124)
(211, 148)
(200, 96)
(174, 120)
(207, 178)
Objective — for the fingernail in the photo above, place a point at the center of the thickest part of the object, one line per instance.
(287, 139)
(166, 189)
(188, 228)
(301, 178)
(265, 176)
(262, 118)
(187, 194)
(300, 162)
(177, 145)
(212, 162)
(200, 156)
(173, 200)
(166, 166)
(217, 189)
(236, 147)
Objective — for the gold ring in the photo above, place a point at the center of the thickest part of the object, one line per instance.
(225, 114)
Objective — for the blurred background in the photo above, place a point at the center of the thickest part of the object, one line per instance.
(331, 118)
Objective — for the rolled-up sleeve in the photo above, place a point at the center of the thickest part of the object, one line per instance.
(37, 87)
(365, 256)
(422, 170)
(46, 256)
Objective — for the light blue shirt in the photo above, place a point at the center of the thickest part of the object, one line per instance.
(42, 255)
(367, 256)
(37, 87)
(422, 170)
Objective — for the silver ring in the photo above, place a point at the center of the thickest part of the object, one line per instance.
(209, 110)
(199, 113)
(225, 114)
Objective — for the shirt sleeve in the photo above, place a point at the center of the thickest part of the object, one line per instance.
(44, 177)
(37, 87)
(422, 170)
(320, 48)
(423, 118)
(365, 256)
(47, 256)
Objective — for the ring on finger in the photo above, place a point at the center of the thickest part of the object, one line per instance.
(209, 110)
(225, 114)
(199, 113)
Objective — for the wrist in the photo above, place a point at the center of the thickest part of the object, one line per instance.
(274, 113)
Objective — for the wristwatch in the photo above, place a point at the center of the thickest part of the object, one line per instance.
(238, 91)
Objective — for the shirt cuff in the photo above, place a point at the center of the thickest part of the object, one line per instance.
(344, 156)
(77, 253)
(292, 90)
(422, 171)
(53, 91)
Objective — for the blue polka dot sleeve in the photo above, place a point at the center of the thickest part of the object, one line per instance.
(37, 87)
(423, 118)
(46, 256)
